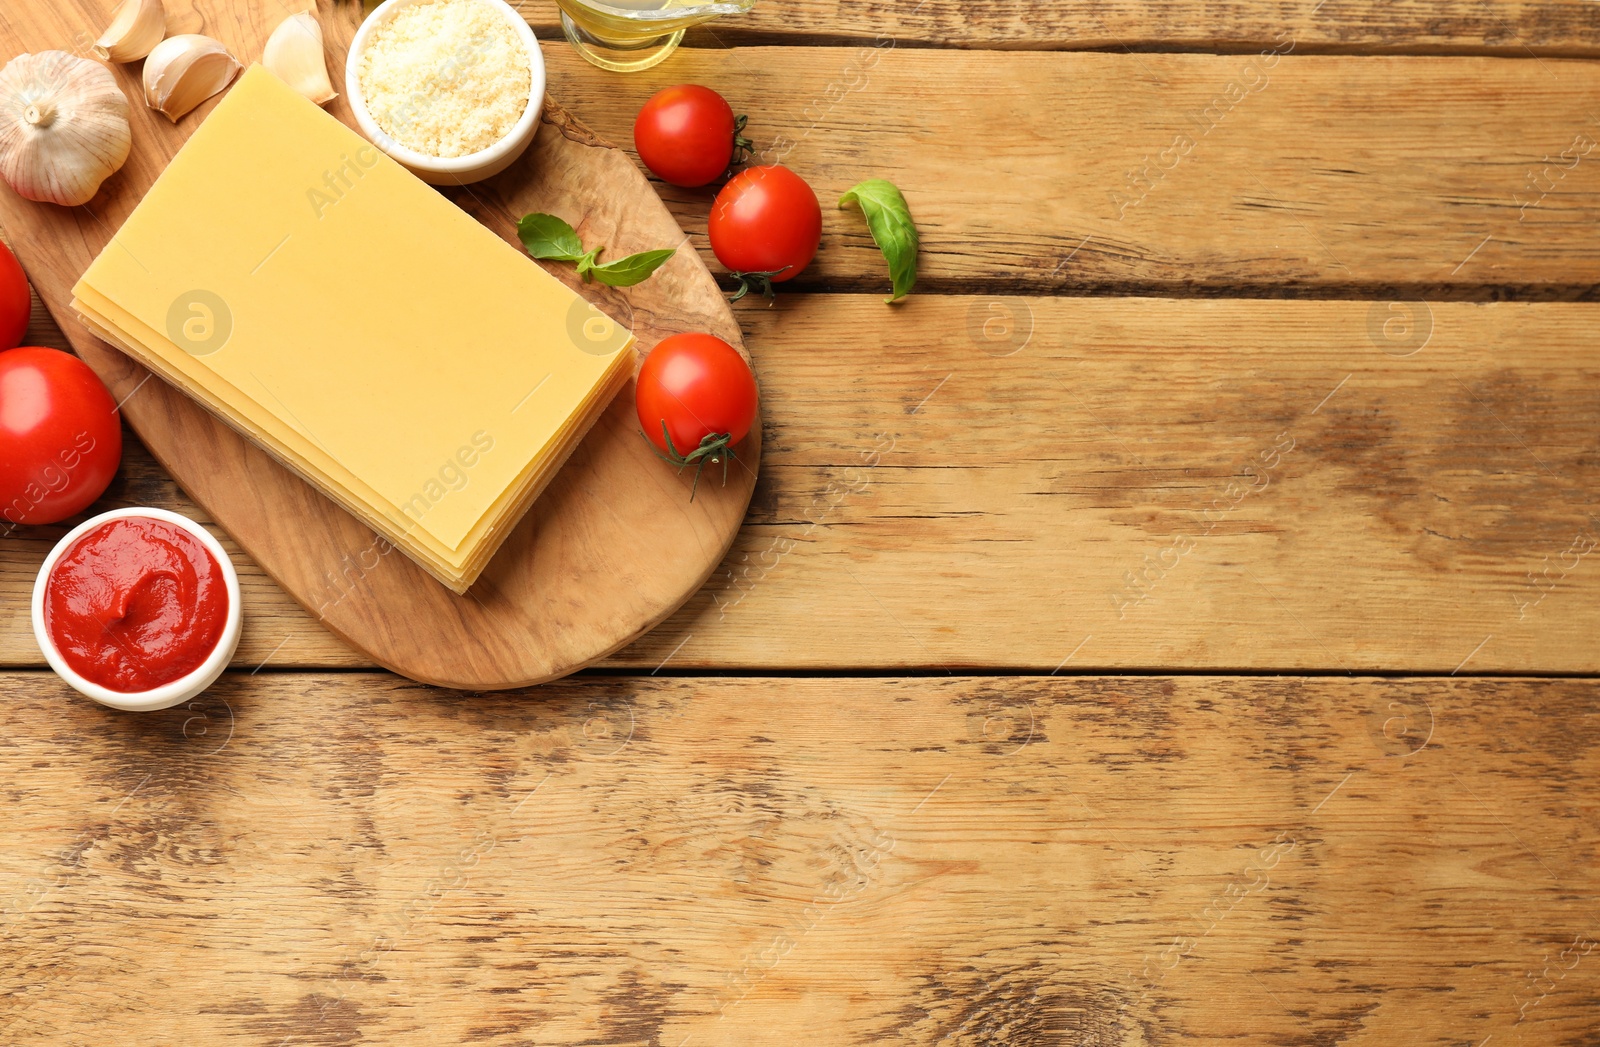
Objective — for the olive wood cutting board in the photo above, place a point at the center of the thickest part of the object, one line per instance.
(612, 547)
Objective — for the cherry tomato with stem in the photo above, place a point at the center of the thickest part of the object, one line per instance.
(60, 436)
(688, 136)
(696, 399)
(766, 226)
(15, 306)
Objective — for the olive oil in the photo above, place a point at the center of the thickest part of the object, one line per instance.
(629, 35)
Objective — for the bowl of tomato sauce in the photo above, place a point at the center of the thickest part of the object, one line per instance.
(138, 609)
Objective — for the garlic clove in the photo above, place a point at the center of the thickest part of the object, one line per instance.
(184, 71)
(63, 127)
(136, 28)
(294, 53)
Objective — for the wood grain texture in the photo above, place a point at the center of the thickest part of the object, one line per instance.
(1365, 26)
(1133, 862)
(1142, 484)
(1045, 171)
(1151, 483)
(613, 544)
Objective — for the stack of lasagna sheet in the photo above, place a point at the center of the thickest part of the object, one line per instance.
(418, 369)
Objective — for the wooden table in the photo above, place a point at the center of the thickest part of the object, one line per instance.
(1175, 624)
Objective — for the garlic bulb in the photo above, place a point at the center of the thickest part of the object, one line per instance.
(136, 28)
(294, 53)
(184, 71)
(63, 127)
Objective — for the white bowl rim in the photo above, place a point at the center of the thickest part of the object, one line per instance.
(168, 694)
(517, 138)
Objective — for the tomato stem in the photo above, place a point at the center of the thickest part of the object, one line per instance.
(742, 146)
(713, 447)
(747, 281)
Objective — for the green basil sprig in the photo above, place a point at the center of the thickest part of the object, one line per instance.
(549, 238)
(889, 220)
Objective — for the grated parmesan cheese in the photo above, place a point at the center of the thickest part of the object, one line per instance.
(446, 77)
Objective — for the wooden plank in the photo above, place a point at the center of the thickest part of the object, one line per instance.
(1331, 174)
(648, 861)
(1142, 484)
(1151, 483)
(1407, 26)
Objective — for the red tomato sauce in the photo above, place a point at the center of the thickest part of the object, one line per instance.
(136, 603)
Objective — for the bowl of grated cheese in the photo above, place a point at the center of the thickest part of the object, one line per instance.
(452, 89)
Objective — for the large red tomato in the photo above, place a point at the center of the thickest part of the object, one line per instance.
(765, 226)
(687, 134)
(14, 303)
(696, 391)
(60, 436)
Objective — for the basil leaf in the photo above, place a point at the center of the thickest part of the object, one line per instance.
(889, 220)
(548, 237)
(586, 263)
(625, 272)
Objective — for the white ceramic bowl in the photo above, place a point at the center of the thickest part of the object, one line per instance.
(455, 170)
(167, 695)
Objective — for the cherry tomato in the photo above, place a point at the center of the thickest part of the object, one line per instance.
(686, 135)
(14, 303)
(702, 389)
(765, 226)
(60, 436)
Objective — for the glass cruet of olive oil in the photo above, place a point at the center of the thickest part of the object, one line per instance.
(629, 35)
